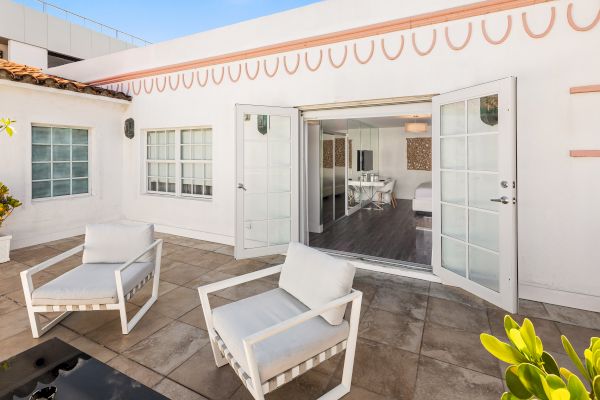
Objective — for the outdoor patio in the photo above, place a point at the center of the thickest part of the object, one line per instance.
(417, 340)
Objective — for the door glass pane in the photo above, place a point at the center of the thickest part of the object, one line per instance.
(453, 119)
(452, 153)
(483, 152)
(454, 187)
(484, 268)
(255, 154)
(255, 206)
(255, 181)
(279, 154)
(483, 188)
(454, 256)
(279, 180)
(483, 114)
(483, 229)
(255, 234)
(279, 127)
(279, 231)
(279, 205)
(454, 222)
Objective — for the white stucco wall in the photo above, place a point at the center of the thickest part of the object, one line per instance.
(558, 196)
(23, 53)
(43, 220)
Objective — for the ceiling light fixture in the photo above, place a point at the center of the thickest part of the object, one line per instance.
(415, 127)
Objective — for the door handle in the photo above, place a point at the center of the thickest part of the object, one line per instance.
(241, 186)
(503, 200)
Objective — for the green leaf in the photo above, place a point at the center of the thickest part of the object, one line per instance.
(560, 394)
(577, 389)
(550, 365)
(510, 323)
(566, 373)
(596, 387)
(501, 350)
(534, 380)
(555, 382)
(509, 396)
(514, 384)
(574, 357)
(517, 340)
(527, 332)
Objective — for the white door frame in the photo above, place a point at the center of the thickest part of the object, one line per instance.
(507, 297)
(241, 109)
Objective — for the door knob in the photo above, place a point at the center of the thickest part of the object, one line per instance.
(503, 200)
(241, 186)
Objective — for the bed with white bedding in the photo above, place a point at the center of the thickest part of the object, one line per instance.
(422, 202)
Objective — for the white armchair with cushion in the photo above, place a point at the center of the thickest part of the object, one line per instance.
(273, 337)
(118, 260)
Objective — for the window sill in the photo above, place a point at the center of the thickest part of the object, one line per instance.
(174, 196)
(69, 197)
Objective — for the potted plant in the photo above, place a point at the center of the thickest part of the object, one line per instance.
(7, 206)
(534, 374)
(6, 125)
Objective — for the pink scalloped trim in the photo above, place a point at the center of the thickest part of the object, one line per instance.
(151, 87)
(239, 74)
(191, 82)
(171, 85)
(164, 84)
(311, 69)
(578, 27)
(248, 73)
(430, 49)
(334, 65)
(503, 38)
(291, 72)
(546, 31)
(137, 92)
(205, 78)
(212, 75)
(387, 55)
(267, 70)
(371, 52)
(465, 43)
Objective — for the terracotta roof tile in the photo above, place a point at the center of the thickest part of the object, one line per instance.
(26, 74)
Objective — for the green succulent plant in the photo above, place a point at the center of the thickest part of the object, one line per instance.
(534, 374)
(5, 125)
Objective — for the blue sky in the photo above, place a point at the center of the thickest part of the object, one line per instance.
(158, 20)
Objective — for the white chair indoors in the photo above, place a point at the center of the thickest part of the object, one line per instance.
(387, 190)
(118, 260)
(273, 337)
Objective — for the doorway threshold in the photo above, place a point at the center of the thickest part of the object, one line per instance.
(393, 267)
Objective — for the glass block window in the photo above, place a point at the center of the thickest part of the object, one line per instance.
(59, 162)
(179, 162)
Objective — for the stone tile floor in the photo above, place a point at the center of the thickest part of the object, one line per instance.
(418, 340)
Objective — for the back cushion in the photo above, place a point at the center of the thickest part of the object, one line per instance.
(316, 278)
(116, 243)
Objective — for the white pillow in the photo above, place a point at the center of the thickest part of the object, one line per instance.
(316, 278)
(116, 243)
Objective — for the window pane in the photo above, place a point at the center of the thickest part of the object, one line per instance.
(40, 153)
(198, 137)
(171, 137)
(80, 170)
(61, 170)
(198, 187)
(186, 186)
(80, 153)
(151, 137)
(61, 153)
(171, 152)
(153, 184)
(208, 136)
(61, 188)
(40, 171)
(187, 170)
(207, 153)
(208, 188)
(61, 136)
(162, 152)
(186, 152)
(199, 171)
(152, 153)
(40, 135)
(171, 185)
(162, 137)
(186, 136)
(80, 136)
(40, 189)
(80, 186)
(208, 171)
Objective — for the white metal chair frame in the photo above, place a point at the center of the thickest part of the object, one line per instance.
(251, 379)
(122, 297)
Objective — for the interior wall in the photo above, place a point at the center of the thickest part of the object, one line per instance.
(314, 179)
(392, 161)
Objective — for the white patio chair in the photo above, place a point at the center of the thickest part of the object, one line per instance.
(273, 337)
(118, 260)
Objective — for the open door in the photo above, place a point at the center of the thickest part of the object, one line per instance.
(474, 191)
(267, 171)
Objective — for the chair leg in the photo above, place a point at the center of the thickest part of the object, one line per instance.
(34, 321)
(219, 359)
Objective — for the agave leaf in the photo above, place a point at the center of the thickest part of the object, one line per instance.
(500, 350)
(577, 389)
(550, 365)
(527, 332)
(574, 357)
(534, 380)
(514, 384)
(596, 387)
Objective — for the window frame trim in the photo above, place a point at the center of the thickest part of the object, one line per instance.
(90, 162)
(178, 164)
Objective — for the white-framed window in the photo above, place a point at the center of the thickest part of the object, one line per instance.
(179, 162)
(59, 161)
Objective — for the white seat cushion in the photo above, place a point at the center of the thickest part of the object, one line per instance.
(276, 354)
(89, 284)
(316, 278)
(116, 243)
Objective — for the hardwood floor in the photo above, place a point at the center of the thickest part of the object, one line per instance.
(391, 233)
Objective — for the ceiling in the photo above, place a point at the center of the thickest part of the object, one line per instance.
(398, 121)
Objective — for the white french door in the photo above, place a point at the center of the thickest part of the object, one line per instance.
(474, 191)
(267, 170)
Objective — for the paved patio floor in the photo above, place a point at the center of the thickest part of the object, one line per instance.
(418, 340)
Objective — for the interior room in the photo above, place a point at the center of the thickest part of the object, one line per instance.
(369, 187)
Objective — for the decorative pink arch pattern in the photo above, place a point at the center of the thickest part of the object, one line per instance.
(337, 60)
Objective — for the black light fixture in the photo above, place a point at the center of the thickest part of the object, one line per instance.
(129, 128)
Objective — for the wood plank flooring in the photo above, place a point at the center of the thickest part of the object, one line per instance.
(391, 233)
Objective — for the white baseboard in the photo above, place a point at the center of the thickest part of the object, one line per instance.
(19, 242)
(190, 233)
(582, 301)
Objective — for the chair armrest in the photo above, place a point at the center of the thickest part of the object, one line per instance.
(54, 260)
(133, 260)
(305, 316)
(238, 280)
